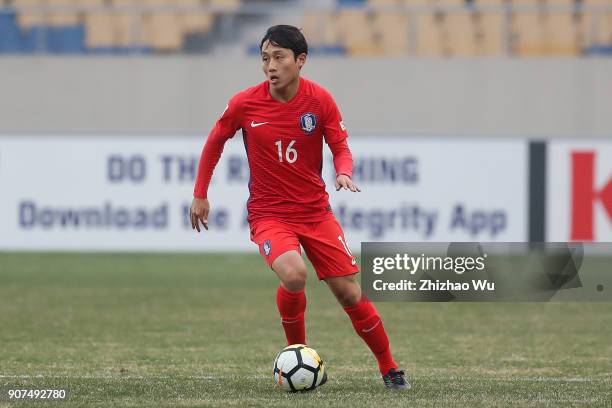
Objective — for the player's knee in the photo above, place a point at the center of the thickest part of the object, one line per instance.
(294, 283)
(294, 278)
(349, 297)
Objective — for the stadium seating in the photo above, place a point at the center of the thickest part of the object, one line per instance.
(108, 30)
(320, 29)
(107, 26)
(597, 2)
(225, 4)
(356, 31)
(392, 33)
(430, 34)
(489, 33)
(426, 28)
(545, 34)
(162, 31)
(474, 33)
(29, 19)
(598, 29)
(438, 30)
(63, 18)
(9, 33)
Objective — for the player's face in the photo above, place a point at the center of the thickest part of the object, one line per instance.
(280, 66)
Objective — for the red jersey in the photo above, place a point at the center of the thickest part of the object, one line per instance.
(284, 146)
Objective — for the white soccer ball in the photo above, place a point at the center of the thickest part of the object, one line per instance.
(299, 368)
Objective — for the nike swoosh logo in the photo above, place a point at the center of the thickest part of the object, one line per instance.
(253, 124)
(371, 328)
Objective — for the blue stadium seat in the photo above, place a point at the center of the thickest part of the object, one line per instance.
(68, 39)
(351, 3)
(119, 50)
(34, 39)
(599, 50)
(10, 36)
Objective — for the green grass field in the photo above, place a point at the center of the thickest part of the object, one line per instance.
(132, 330)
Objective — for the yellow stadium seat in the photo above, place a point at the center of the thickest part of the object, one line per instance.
(128, 29)
(417, 2)
(474, 33)
(112, 29)
(597, 28)
(320, 28)
(526, 34)
(356, 32)
(30, 18)
(385, 2)
(495, 2)
(607, 30)
(431, 37)
(391, 32)
(200, 22)
(526, 2)
(559, 2)
(62, 18)
(545, 34)
(461, 33)
(99, 31)
(120, 3)
(162, 31)
(490, 36)
(443, 3)
(53, 18)
(226, 4)
(562, 34)
(597, 2)
(194, 21)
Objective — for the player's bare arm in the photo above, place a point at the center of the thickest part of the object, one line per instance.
(198, 213)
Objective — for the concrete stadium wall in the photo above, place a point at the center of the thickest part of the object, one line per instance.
(529, 97)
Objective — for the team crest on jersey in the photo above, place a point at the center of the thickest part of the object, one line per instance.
(308, 122)
(267, 247)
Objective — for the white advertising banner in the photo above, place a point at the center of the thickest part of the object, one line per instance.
(579, 196)
(132, 193)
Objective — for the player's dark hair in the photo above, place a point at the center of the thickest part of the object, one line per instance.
(286, 36)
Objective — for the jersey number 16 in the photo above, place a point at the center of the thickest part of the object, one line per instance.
(290, 153)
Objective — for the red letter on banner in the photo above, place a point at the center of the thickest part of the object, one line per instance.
(584, 196)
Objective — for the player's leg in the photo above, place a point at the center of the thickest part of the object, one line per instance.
(290, 295)
(365, 319)
(346, 289)
(291, 270)
(328, 251)
(281, 249)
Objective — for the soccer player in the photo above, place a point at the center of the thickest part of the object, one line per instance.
(284, 121)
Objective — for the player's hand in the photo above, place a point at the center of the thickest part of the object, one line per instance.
(199, 213)
(345, 182)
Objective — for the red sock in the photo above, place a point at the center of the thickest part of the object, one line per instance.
(291, 306)
(369, 327)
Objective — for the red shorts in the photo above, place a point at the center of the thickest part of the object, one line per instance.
(323, 242)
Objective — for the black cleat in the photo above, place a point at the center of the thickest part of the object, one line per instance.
(395, 380)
